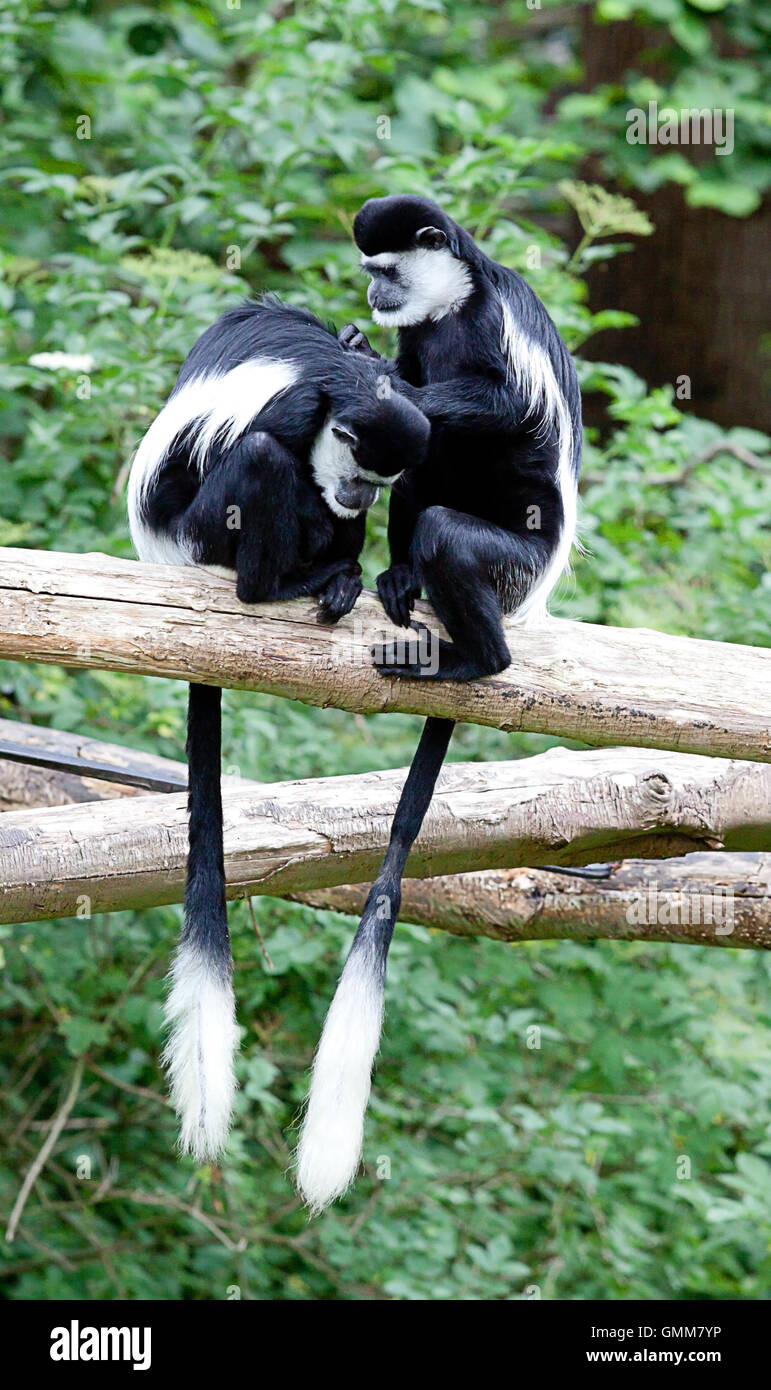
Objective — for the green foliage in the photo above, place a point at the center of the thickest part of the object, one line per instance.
(602, 213)
(228, 152)
(694, 55)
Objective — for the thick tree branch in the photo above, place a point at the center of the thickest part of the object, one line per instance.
(560, 807)
(691, 900)
(604, 686)
(700, 900)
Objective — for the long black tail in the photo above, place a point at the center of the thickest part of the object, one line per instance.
(330, 1141)
(200, 1008)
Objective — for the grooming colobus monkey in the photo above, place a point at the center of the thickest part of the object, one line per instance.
(485, 528)
(263, 462)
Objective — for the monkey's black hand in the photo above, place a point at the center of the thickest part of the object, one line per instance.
(398, 591)
(338, 596)
(352, 338)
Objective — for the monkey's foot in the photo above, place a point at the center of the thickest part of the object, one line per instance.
(414, 655)
(425, 657)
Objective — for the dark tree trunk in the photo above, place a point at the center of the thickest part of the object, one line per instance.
(697, 284)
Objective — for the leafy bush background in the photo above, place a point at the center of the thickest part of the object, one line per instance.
(257, 129)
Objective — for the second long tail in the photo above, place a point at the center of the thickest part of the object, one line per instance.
(330, 1144)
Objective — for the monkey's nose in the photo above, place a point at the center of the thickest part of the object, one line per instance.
(382, 298)
(355, 494)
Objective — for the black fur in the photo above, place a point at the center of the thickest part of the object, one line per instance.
(289, 542)
(206, 921)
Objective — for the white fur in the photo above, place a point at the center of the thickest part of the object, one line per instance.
(534, 373)
(329, 1150)
(378, 478)
(332, 460)
(157, 548)
(219, 406)
(203, 1040)
(437, 283)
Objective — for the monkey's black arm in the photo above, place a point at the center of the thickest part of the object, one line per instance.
(334, 577)
(403, 513)
(462, 402)
(245, 515)
(468, 402)
(397, 586)
(339, 594)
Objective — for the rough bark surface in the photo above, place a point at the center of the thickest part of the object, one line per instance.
(689, 900)
(561, 807)
(604, 686)
(700, 900)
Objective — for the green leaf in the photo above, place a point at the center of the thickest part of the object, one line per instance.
(737, 199)
(602, 213)
(82, 1033)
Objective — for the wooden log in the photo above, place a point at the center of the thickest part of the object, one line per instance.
(600, 685)
(47, 767)
(688, 900)
(560, 807)
(26, 749)
(698, 900)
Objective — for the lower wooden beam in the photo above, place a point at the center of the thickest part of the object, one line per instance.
(699, 900)
(561, 807)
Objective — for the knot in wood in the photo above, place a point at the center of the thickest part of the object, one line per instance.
(658, 785)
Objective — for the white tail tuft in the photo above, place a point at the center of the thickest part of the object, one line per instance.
(203, 1040)
(333, 1128)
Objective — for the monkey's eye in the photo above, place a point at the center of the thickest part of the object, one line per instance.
(387, 272)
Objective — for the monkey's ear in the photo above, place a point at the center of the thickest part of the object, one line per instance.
(431, 238)
(345, 435)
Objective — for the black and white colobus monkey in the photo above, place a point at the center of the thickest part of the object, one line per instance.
(485, 528)
(262, 462)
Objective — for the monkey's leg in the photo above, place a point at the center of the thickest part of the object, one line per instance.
(464, 564)
(245, 516)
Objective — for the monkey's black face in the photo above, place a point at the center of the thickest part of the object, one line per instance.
(385, 437)
(417, 286)
(410, 252)
(387, 290)
(366, 446)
